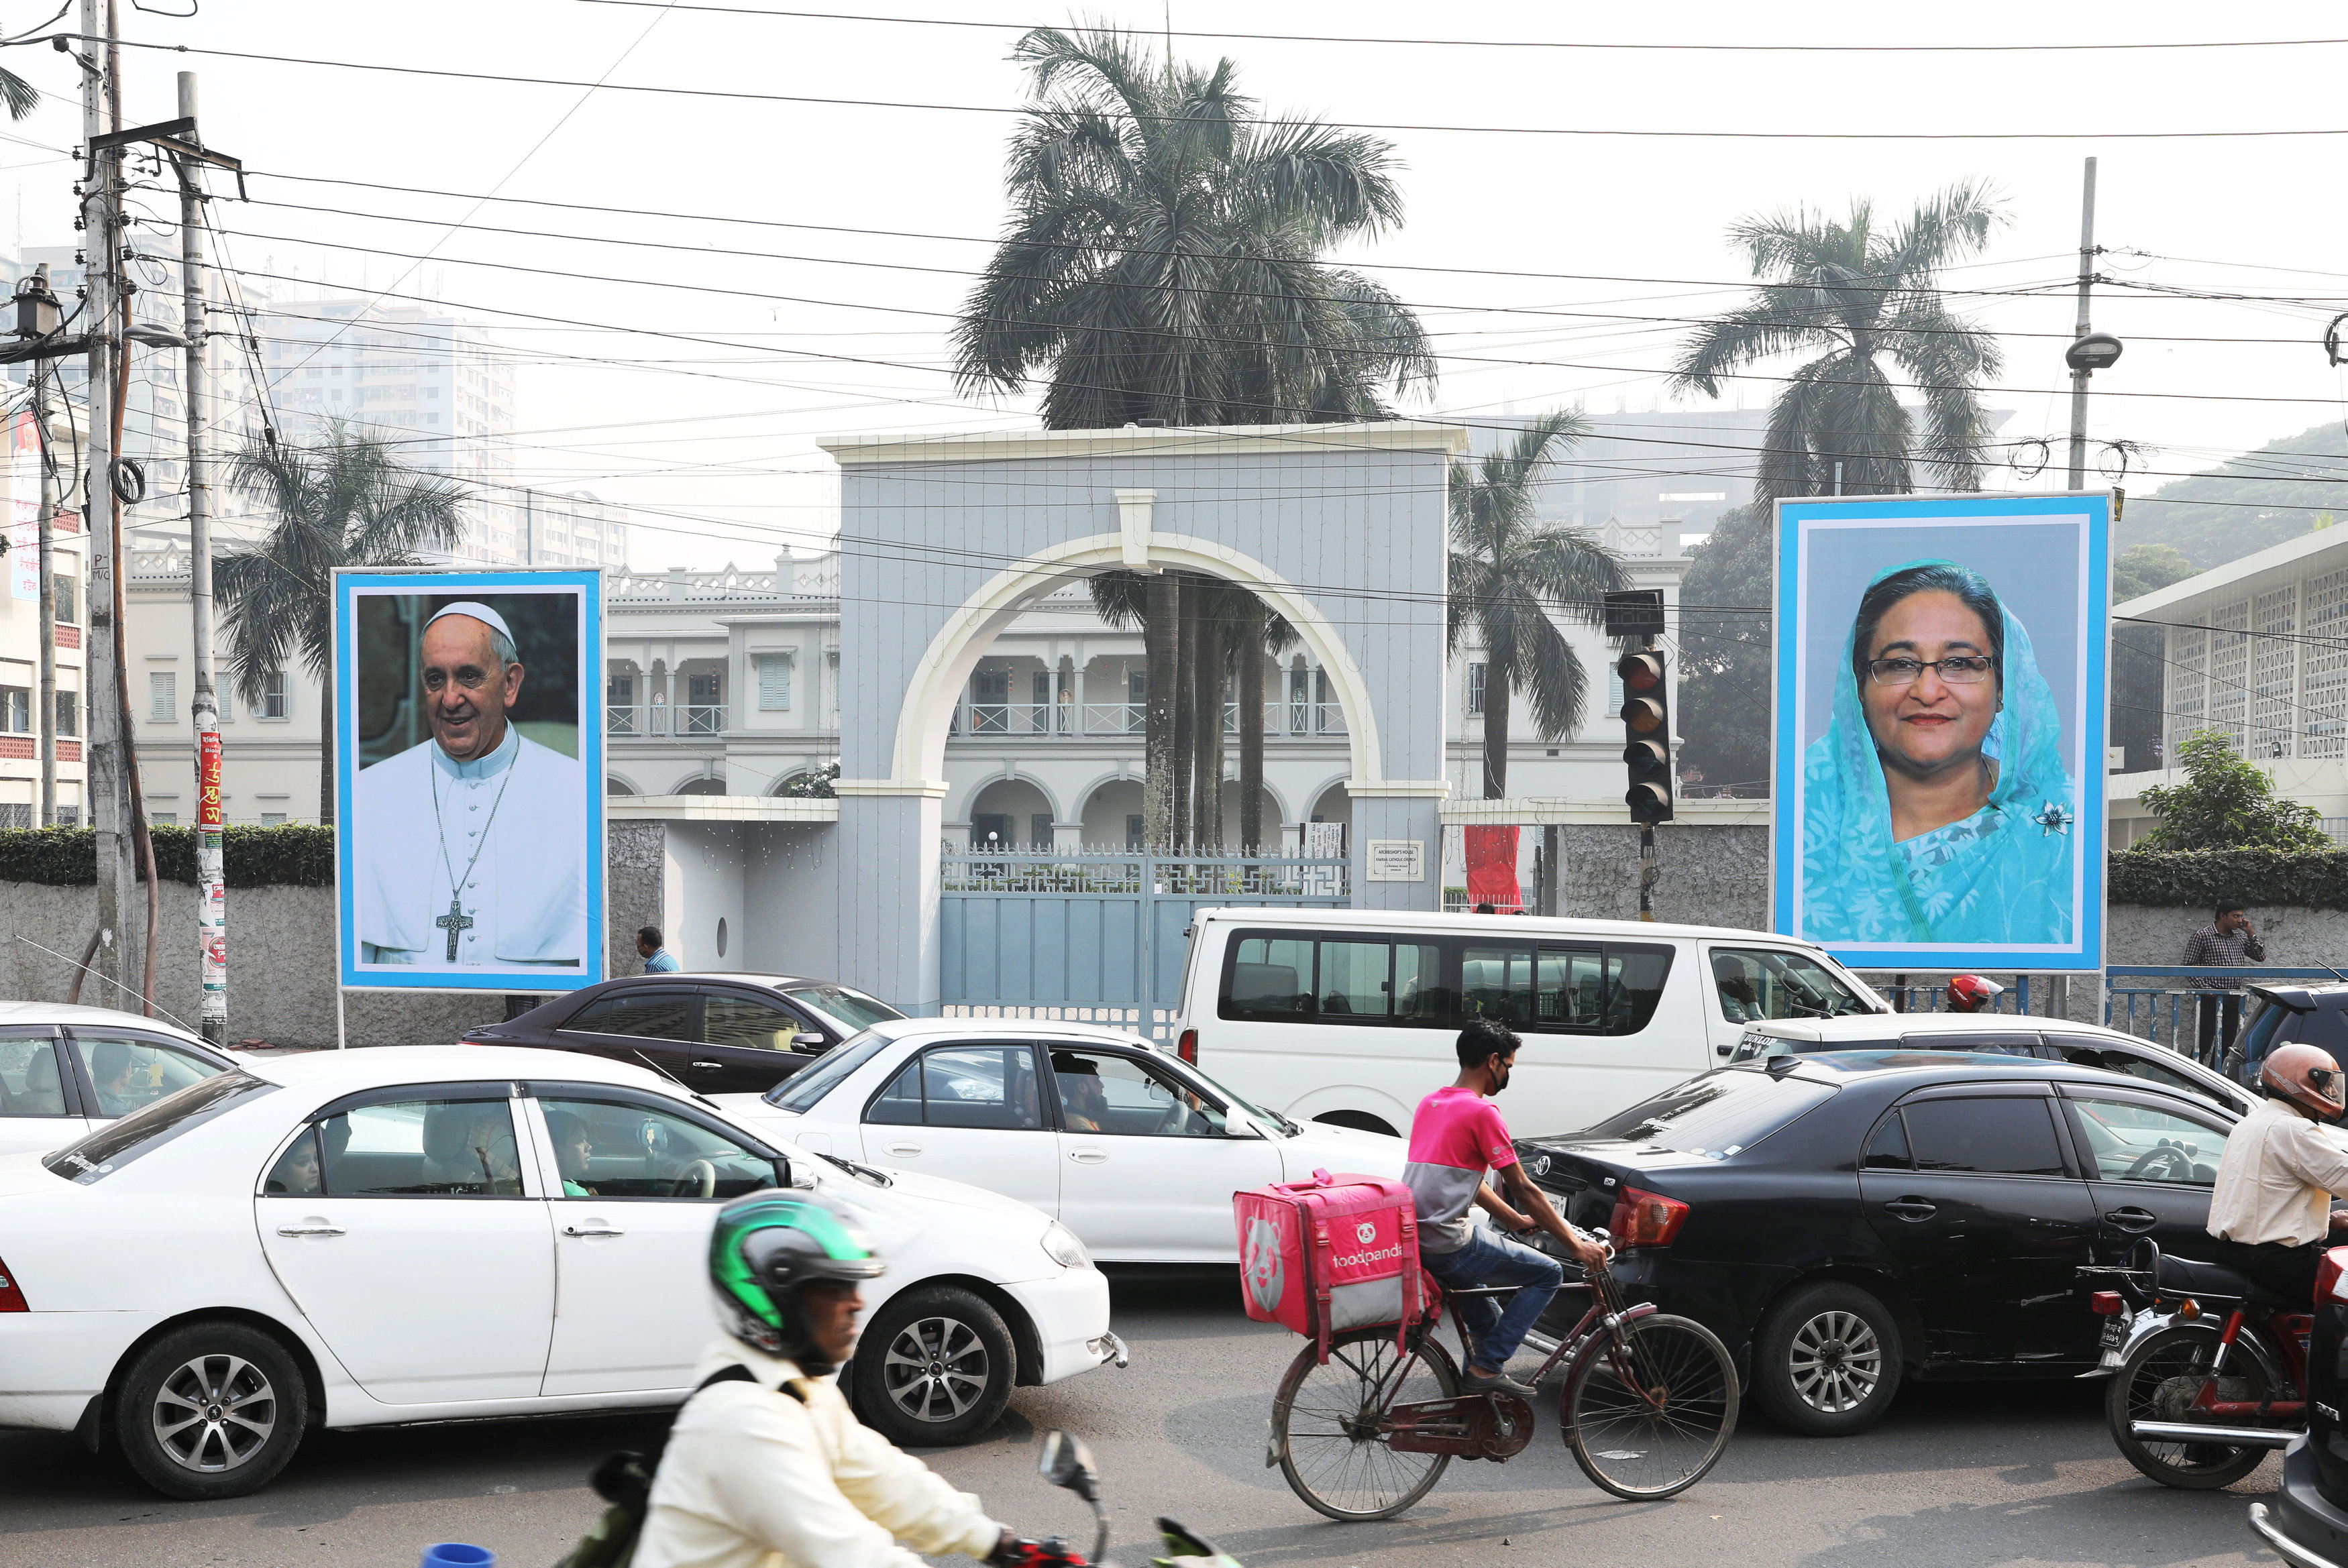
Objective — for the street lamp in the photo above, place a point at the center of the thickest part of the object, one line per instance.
(2096, 351)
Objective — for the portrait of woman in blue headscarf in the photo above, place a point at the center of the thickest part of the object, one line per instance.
(1936, 808)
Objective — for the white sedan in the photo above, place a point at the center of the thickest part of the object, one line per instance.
(1137, 1152)
(374, 1237)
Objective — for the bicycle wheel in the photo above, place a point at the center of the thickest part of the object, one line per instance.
(1324, 1424)
(1649, 1413)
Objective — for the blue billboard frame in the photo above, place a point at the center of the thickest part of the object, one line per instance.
(1797, 521)
(349, 582)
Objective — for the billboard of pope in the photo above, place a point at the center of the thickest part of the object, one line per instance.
(468, 758)
(1940, 720)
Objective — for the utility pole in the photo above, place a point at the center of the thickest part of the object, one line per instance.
(109, 787)
(2080, 374)
(48, 729)
(212, 885)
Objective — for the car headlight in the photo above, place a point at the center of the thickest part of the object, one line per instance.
(1060, 1244)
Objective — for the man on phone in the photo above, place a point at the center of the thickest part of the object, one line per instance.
(2228, 943)
(1454, 1137)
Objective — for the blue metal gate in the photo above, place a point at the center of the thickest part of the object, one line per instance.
(1099, 934)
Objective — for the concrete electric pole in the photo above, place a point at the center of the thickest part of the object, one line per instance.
(2079, 372)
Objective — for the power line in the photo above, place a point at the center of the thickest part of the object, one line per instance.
(1262, 121)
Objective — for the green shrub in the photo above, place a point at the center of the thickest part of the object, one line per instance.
(289, 855)
(2198, 878)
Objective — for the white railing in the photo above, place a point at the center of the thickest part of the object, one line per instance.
(659, 719)
(980, 720)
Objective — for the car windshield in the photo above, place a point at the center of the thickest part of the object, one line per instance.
(1720, 1114)
(1263, 1118)
(802, 1090)
(851, 1011)
(150, 1127)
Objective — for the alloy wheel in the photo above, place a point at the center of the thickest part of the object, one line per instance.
(935, 1369)
(213, 1413)
(1836, 1361)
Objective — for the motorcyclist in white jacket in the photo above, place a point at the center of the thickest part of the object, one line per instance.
(768, 1468)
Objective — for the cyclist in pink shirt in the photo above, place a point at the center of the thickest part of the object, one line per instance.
(1456, 1136)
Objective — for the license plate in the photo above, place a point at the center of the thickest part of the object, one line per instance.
(2114, 1333)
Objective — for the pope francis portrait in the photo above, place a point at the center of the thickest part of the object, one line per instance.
(471, 846)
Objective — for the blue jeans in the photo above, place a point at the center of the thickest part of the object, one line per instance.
(1490, 1258)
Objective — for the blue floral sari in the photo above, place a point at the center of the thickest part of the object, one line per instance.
(2001, 876)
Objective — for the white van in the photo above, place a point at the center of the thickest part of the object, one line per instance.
(1348, 1016)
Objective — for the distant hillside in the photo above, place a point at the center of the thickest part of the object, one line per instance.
(2269, 500)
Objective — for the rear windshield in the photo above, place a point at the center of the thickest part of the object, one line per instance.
(802, 1090)
(1757, 1047)
(2269, 1026)
(148, 1129)
(851, 1011)
(1720, 1114)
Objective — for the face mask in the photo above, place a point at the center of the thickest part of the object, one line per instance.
(1500, 1076)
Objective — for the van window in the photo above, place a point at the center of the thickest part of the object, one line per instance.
(1758, 983)
(1530, 984)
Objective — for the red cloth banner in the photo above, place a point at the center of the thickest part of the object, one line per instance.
(1492, 867)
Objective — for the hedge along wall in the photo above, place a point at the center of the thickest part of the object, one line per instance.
(288, 856)
(2199, 878)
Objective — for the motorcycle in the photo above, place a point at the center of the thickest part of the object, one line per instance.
(2208, 1371)
(1066, 1462)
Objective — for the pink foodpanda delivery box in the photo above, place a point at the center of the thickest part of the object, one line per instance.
(1333, 1253)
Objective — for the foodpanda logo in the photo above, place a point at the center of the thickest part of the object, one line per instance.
(1260, 1264)
(1365, 1233)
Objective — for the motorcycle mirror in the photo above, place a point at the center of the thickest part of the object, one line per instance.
(1066, 1462)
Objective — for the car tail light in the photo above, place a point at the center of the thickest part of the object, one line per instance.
(2106, 1304)
(1645, 1219)
(1187, 1047)
(11, 1294)
(2331, 1276)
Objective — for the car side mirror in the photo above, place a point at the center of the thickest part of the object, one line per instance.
(801, 1176)
(1066, 1462)
(808, 1039)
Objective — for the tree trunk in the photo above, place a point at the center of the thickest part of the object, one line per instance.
(1185, 710)
(326, 747)
(1250, 699)
(1498, 695)
(1160, 609)
(1207, 799)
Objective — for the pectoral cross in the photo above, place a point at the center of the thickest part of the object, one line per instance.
(454, 921)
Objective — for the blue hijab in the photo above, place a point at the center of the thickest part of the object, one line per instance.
(2001, 876)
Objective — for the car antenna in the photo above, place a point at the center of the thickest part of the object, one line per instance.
(673, 1078)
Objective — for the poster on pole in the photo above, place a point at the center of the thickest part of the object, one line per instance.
(468, 756)
(1939, 721)
(24, 509)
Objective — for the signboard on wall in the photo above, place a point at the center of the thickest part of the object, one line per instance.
(469, 775)
(1939, 729)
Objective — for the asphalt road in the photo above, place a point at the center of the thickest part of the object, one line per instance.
(1970, 1475)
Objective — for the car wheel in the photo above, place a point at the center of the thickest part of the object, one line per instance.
(934, 1367)
(1826, 1361)
(1359, 1121)
(211, 1410)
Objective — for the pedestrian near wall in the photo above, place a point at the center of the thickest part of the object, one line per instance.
(2228, 943)
(658, 960)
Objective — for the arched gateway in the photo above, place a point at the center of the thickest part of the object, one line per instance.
(1341, 527)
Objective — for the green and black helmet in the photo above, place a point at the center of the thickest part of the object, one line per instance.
(766, 1245)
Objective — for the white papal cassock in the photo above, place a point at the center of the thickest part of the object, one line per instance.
(419, 818)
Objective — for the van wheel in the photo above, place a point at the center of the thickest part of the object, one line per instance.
(1826, 1361)
(211, 1410)
(934, 1369)
(1359, 1121)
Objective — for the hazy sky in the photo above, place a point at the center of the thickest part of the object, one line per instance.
(712, 441)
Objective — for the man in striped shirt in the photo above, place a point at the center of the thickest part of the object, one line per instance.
(2230, 943)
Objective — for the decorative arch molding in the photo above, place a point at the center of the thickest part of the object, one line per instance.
(977, 787)
(627, 786)
(918, 756)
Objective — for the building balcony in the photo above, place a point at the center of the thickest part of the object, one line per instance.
(661, 721)
(1103, 721)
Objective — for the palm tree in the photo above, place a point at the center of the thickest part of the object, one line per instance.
(1513, 577)
(1163, 262)
(18, 96)
(1857, 296)
(347, 501)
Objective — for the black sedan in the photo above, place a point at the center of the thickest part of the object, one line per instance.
(715, 1033)
(1846, 1220)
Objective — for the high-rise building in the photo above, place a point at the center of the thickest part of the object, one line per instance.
(572, 527)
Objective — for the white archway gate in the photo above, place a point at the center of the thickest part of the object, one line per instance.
(944, 540)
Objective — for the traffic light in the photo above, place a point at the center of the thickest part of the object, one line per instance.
(1647, 736)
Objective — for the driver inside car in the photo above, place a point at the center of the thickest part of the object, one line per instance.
(1083, 1099)
(2271, 1209)
(573, 1150)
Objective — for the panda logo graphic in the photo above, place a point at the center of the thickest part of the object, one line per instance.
(1261, 1266)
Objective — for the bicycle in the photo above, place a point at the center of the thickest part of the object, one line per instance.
(1649, 1402)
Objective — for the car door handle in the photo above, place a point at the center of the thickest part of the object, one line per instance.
(1090, 1156)
(1912, 1208)
(902, 1148)
(591, 1230)
(706, 1066)
(310, 1230)
(2133, 1219)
